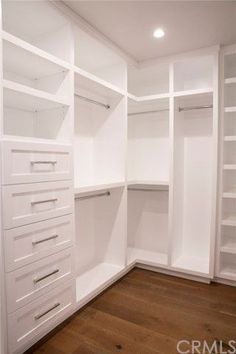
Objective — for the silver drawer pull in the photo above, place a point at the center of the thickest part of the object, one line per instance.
(37, 317)
(37, 280)
(43, 162)
(44, 240)
(44, 201)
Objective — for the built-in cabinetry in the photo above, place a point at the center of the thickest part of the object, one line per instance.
(37, 170)
(226, 250)
(105, 165)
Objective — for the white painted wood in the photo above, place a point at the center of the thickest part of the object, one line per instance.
(24, 204)
(25, 328)
(136, 255)
(98, 188)
(29, 99)
(148, 185)
(52, 35)
(195, 73)
(34, 280)
(49, 64)
(194, 177)
(33, 162)
(95, 279)
(26, 244)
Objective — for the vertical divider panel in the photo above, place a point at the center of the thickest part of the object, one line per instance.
(171, 166)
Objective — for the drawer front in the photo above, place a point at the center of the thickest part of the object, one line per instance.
(26, 244)
(35, 162)
(28, 283)
(31, 322)
(28, 203)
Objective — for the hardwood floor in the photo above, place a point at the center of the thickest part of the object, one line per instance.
(147, 313)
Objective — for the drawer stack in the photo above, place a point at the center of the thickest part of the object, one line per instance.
(38, 201)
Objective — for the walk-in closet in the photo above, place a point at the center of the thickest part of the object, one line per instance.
(112, 158)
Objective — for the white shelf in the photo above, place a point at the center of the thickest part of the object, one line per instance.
(156, 185)
(93, 281)
(98, 187)
(228, 249)
(229, 166)
(228, 273)
(230, 109)
(230, 138)
(231, 80)
(21, 57)
(93, 83)
(230, 193)
(138, 99)
(143, 256)
(229, 220)
(194, 264)
(26, 98)
(193, 92)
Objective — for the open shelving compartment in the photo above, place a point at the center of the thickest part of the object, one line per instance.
(150, 80)
(100, 240)
(108, 66)
(99, 135)
(193, 75)
(40, 24)
(37, 87)
(193, 172)
(148, 182)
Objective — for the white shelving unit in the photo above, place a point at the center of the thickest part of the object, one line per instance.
(226, 250)
(144, 145)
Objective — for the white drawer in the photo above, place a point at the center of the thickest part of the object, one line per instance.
(28, 324)
(28, 203)
(26, 284)
(25, 162)
(26, 244)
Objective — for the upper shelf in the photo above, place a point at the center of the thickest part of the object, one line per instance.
(32, 61)
(98, 188)
(26, 98)
(88, 81)
(148, 185)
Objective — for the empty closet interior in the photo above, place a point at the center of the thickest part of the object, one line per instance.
(107, 164)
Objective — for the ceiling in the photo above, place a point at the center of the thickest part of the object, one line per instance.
(189, 25)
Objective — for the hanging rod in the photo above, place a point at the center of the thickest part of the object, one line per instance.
(92, 101)
(148, 190)
(145, 112)
(104, 194)
(181, 109)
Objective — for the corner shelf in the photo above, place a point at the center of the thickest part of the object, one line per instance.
(148, 185)
(96, 279)
(26, 98)
(136, 255)
(193, 92)
(98, 188)
(193, 264)
(97, 85)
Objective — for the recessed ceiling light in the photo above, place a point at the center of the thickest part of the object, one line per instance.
(158, 33)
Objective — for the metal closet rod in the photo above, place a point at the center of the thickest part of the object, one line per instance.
(104, 194)
(180, 109)
(92, 101)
